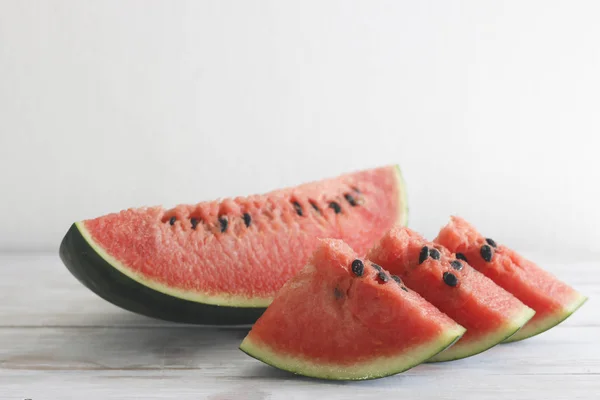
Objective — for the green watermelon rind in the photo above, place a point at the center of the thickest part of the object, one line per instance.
(85, 262)
(486, 343)
(547, 323)
(112, 281)
(374, 369)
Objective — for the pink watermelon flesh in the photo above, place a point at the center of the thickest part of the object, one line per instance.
(331, 322)
(489, 313)
(552, 299)
(239, 252)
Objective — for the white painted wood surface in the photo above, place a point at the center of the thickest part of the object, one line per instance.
(59, 341)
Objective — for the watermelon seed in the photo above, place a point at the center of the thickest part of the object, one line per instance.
(397, 279)
(404, 288)
(486, 252)
(358, 268)
(377, 267)
(247, 220)
(338, 293)
(423, 254)
(336, 207)
(314, 205)
(457, 265)
(172, 220)
(461, 256)
(450, 279)
(434, 253)
(350, 199)
(491, 242)
(194, 222)
(297, 207)
(223, 222)
(355, 189)
(383, 277)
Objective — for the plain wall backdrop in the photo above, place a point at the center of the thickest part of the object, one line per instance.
(491, 109)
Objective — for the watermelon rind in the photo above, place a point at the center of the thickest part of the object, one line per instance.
(479, 346)
(378, 367)
(123, 287)
(88, 264)
(551, 321)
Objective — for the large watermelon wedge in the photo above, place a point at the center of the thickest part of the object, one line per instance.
(489, 313)
(344, 318)
(222, 262)
(552, 299)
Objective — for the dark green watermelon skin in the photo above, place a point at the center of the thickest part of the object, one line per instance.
(112, 285)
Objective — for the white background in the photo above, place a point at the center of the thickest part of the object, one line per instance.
(492, 109)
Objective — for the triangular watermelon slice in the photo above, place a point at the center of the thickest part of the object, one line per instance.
(489, 313)
(222, 261)
(341, 318)
(552, 299)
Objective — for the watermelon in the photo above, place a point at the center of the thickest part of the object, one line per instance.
(221, 262)
(341, 317)
(552, 299)
(489, 313)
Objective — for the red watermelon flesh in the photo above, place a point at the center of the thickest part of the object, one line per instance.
(489, 313)
(337, 319)
(239, 252)
(552, 299)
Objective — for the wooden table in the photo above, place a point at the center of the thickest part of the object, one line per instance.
(60, 341)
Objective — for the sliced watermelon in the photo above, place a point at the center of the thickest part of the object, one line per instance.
(343, 318)
(222, 262)
(489, 313)
(552, 299)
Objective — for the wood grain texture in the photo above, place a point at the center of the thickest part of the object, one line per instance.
(58, 340)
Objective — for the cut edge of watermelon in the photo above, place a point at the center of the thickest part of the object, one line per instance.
(373, 369)
(220, 300)
(549, 322)
(509, 329)
(226, 300)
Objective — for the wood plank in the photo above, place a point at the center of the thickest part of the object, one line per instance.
(37, 290)
(563, 350)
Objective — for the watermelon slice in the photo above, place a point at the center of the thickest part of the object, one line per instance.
(489, 313)
(552, 299)
(222, 262)
(343, 318)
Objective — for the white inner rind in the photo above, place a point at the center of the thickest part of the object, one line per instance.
(375, 368)
(486, 342)
(211, 298)
(536, 327)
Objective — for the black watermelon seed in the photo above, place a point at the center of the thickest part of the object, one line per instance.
(450, 279)
(358, 268)
(397, 279)
(404, 288)
(298, 208)
(315, 206)
(461, 256)
(223, 222)
(383, 276)
(355, 189)
(486, 252)
(491, 242)
(377, 267)
(350, 199)
(172, 220)
(457, 265)
(194, 222)
(247, 219)
(434, 253)
(338, 293)
(423, 254)
(336, 207)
